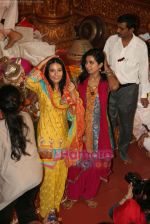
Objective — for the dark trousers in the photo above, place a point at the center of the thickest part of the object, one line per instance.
(122, 106)
(24, 207)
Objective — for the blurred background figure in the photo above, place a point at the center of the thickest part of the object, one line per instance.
(8, 18)
(20, 166)
(146, 36)
(134, 207)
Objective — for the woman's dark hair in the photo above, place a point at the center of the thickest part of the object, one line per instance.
(98, 56)
(46, 73)
(131, 20)
(10, 101)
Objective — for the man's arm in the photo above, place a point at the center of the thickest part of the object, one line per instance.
(111, 77)
(143, 74)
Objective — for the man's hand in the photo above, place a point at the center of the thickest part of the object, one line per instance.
(112, 79)
(113, 83)
(144, 102)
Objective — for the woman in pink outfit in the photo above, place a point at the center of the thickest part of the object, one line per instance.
(93, 166)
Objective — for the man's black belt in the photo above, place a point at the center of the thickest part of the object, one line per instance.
(125, 85)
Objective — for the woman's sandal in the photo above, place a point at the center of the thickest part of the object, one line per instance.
(69, 203)
(91, 203)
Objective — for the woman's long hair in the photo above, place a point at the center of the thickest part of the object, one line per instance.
(98, 56)
(10, 101)
(46, 73)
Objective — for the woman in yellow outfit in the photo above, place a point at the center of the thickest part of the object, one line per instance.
(58, 101)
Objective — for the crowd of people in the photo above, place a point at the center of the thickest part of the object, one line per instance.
(73, 148)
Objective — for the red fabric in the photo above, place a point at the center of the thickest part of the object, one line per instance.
(25, 23)
(104, 144)
(129, 213)
(85, 183)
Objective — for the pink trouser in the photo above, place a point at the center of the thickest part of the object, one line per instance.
(85, 183)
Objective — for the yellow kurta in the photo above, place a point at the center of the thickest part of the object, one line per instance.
(52, 134)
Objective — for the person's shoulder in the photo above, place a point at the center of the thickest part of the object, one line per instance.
(2, 126)
(112, 38)
(140, 42)
(24, 113)
(26, 116)
(132, 204)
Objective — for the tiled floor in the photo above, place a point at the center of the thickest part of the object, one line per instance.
(109, 192)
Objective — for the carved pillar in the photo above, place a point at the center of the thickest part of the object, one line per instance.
(52, 11)
(54, 20)
(25, 7)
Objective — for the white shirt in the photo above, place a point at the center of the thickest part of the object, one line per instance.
(16, 178)
(129, 63)
(146, 143)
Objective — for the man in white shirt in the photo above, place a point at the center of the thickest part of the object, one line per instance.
(9, 12)
(127, 60)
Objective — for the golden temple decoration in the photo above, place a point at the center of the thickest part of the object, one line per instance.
(57, 18)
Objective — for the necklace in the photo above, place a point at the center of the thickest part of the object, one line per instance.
(93, 90)
(93, 85)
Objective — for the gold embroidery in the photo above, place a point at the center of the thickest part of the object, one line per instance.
(89, 117)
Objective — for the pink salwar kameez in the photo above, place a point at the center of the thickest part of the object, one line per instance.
(85, 177)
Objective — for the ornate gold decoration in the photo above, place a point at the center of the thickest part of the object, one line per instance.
(60, 34)
(57, 18)
(52, 11)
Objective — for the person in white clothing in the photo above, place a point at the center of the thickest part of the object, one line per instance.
(20, 166)
(9, 13)
(127, 60)
(141, 127)
(146, 36)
